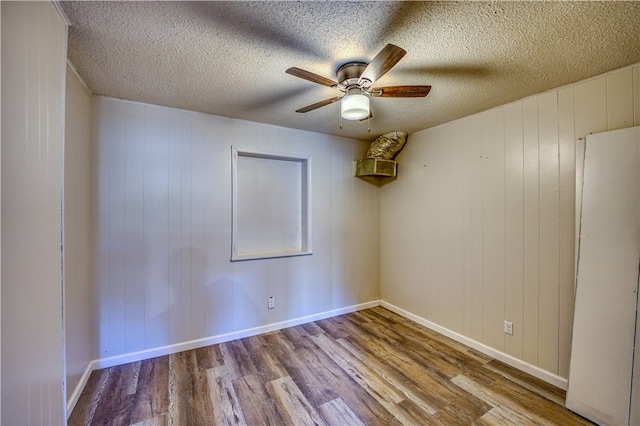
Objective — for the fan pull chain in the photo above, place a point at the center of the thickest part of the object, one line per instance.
(340, 121)
(369, 123)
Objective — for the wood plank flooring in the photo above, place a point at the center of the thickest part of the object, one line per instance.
(371, 367)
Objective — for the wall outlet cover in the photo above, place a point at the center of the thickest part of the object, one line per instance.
(508, 327)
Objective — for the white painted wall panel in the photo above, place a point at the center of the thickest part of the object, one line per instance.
(430, 260)
(620, 99)
(132, 220)
(163, 207)
(590, 100)
(155, 240)
(101, 219)
(493, 224)
(517, 244)
(531, 218)
(474, 133)
(514, 227)
(567, 238)
(464, 135)
(80, 336)
(549, 256)
(457, 199)
(398, 229)
(33, 82)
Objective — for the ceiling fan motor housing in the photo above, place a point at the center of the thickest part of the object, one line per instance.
(355, 80)
(349, 73)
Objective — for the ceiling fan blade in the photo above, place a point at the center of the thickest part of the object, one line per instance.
(401, 91)
(319, 104)
(383, 62)
(307, 75)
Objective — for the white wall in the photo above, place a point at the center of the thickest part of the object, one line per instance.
(480, 225)
(80, 340)
(33, 52)
(163, 240)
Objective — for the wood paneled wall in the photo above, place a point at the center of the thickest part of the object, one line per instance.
(480, 225)
(34, 42)
(80, 339)
(163, 238)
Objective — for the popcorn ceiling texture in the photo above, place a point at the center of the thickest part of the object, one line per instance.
(229, 58)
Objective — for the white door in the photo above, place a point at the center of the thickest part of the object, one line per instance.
(601, 369)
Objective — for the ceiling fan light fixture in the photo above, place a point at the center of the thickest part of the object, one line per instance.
(354, 106)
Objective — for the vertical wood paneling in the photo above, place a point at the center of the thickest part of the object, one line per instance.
(174, 217)
(155, 229)
(33, 85)
(468, 156)
(133, 215)
(590, 116)
(620, 99)
(433, 229)
(533, 185)
(219, 289)
(80, 328)
(186, 227)
(580, 145)
(397, 229)
(459, 254)
(549, 272)
(477, 226)
(424, 258)
(590, 100)
(567, 209)
(198, 230)
(168, 212)
(102, 266)
(493, 179)
(340, 208)
(417, 237)
(531, 223)
(514, 227)
(117, 244)
(366, 203)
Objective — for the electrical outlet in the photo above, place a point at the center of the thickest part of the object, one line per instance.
(508, 327)
(272, 303)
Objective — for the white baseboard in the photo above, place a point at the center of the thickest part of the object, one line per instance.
(214, 340)
(73, 398)
(535, 371)
(198, 343)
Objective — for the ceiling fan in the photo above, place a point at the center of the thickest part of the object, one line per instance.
(355, 81)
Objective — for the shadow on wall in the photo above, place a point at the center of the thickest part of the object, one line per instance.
(182, 298)
(204, 301)
(190, 295)
(198, 306)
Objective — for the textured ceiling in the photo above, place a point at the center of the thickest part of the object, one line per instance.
(229, 58)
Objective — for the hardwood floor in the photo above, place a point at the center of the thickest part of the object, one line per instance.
(371, 367)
